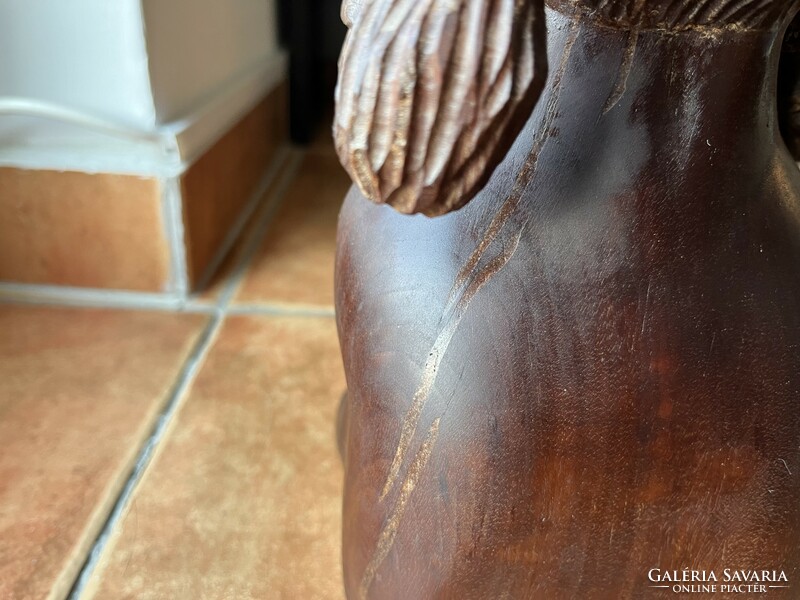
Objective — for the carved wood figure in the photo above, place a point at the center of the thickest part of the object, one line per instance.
(789, 89)
(584, 372)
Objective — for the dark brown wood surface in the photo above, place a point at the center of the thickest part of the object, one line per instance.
(593, 369)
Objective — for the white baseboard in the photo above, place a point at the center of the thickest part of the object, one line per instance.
(197, 132)
(65, 142)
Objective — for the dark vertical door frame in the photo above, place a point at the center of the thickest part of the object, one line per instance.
(303, 34)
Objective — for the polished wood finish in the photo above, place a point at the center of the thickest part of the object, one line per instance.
(789, 89)
(592, 370)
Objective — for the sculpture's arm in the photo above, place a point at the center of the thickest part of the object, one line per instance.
(433, 93)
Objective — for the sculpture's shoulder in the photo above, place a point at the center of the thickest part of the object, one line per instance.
(379, 242)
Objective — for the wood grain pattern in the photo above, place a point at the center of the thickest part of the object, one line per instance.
(433, 93)
(789, 89)
(681, 15)
(592, 371)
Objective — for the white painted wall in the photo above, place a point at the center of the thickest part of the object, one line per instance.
(83, 54)
(198, 47)
(185, 70)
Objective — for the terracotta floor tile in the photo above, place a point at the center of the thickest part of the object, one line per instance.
(79, 392)
(218, 185)
(295, 262)
(79, 229)
(243, 498)
(218, 282)
(252, 232)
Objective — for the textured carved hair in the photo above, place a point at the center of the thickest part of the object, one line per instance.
(433, 93)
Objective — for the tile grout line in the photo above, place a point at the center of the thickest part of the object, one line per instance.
(184, 380)
(249, 211)
(53, 295)
(260, 229)
(288, 161)
(175, 300)
(175, 231)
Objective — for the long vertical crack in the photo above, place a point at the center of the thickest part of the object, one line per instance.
(463, 291)
(389, 531)
(466, 285)
(621, 85)
(528, 168)
(435, 356)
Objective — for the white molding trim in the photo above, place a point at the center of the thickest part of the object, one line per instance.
(197, 132)
(26, 293)
(38, 136)
(172, 213)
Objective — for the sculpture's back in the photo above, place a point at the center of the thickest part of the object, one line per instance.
(593, 369)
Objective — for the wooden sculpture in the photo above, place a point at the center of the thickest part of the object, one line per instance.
(789, 89)
(585, 383)
(432, 95)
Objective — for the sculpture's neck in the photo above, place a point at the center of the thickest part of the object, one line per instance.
(693, 90)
